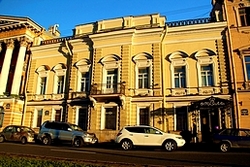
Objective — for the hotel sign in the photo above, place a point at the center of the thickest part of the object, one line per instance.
(211, 102)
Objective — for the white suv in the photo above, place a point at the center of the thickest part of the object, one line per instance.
(141, 135)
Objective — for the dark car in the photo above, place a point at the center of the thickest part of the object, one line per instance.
(17, 133)
(231, 138)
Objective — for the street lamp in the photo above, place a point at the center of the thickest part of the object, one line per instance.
(1, 116)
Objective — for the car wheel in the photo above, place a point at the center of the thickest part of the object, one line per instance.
(23, 140)
(225, 147)
(77, 142)
(46, 140)
(126, 145)
(1, 139)
(170, 145)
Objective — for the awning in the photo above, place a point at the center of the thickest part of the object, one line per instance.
(210, 102)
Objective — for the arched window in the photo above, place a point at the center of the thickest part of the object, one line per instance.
(206, 65)
(43, 72)
(111, 73)
(59, 78)
(83, 75)
(179, 69)
(143, 70)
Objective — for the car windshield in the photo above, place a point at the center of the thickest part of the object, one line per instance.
(75, 127)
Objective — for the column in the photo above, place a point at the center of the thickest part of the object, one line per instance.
(19, 67)
(6, 66)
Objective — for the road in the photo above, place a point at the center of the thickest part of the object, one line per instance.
(139, 156)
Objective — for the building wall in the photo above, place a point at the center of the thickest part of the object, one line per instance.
(238, 36)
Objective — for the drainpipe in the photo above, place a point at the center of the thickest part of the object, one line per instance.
(25, 86)
(232, 71)
(162, 82)
(66, 93)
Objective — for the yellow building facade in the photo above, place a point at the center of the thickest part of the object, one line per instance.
(133, 70)
(17, 34)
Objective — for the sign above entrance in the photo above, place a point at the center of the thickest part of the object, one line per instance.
(211, 102)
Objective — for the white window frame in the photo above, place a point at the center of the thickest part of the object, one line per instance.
(103, 115)
(177, 59)
(206, 75)
(59, 71)
(142, 106)
(207, 57)
(35, 116)
(83, 66)
(42, 73)
(110, 62)
(53, 114)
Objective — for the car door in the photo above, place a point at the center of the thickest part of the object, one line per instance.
(8, 133)
(136, 134)
(65, 133)
(16, 133)
(244, 138)
(152, 137)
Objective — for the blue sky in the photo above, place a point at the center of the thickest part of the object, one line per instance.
(69, 13)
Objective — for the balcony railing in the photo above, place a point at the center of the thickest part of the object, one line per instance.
(104, 88)
(188, 22)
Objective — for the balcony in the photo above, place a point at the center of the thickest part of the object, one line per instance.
(106, 89)
(104, 92)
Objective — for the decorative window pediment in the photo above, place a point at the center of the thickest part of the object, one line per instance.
(83, 65)
(60, 69)
(205, 56)
(178, 58)
(143, 60)
(43, 71)
(110, 61)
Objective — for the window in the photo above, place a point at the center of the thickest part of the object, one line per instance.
(43, 81)
(244, 16)
(111, 80)
(181, 118)
(143, 79)
(60, 84)
(39, 117)
(58, 115)
(144, 116)
(83, 118)
(110, 118)
(206, 75)
(84, 82)
(180, 77)
(247, 63)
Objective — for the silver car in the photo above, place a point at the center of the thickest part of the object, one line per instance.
(63, 132)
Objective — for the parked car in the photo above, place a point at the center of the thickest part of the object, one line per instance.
(18, 133)
(231, 138)
(63, 132)
(142, 135)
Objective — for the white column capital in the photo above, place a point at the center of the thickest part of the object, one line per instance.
(23, 42)
(10, 43)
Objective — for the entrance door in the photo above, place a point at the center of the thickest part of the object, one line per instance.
(209, 122)
(83, 118)
(111, 82)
